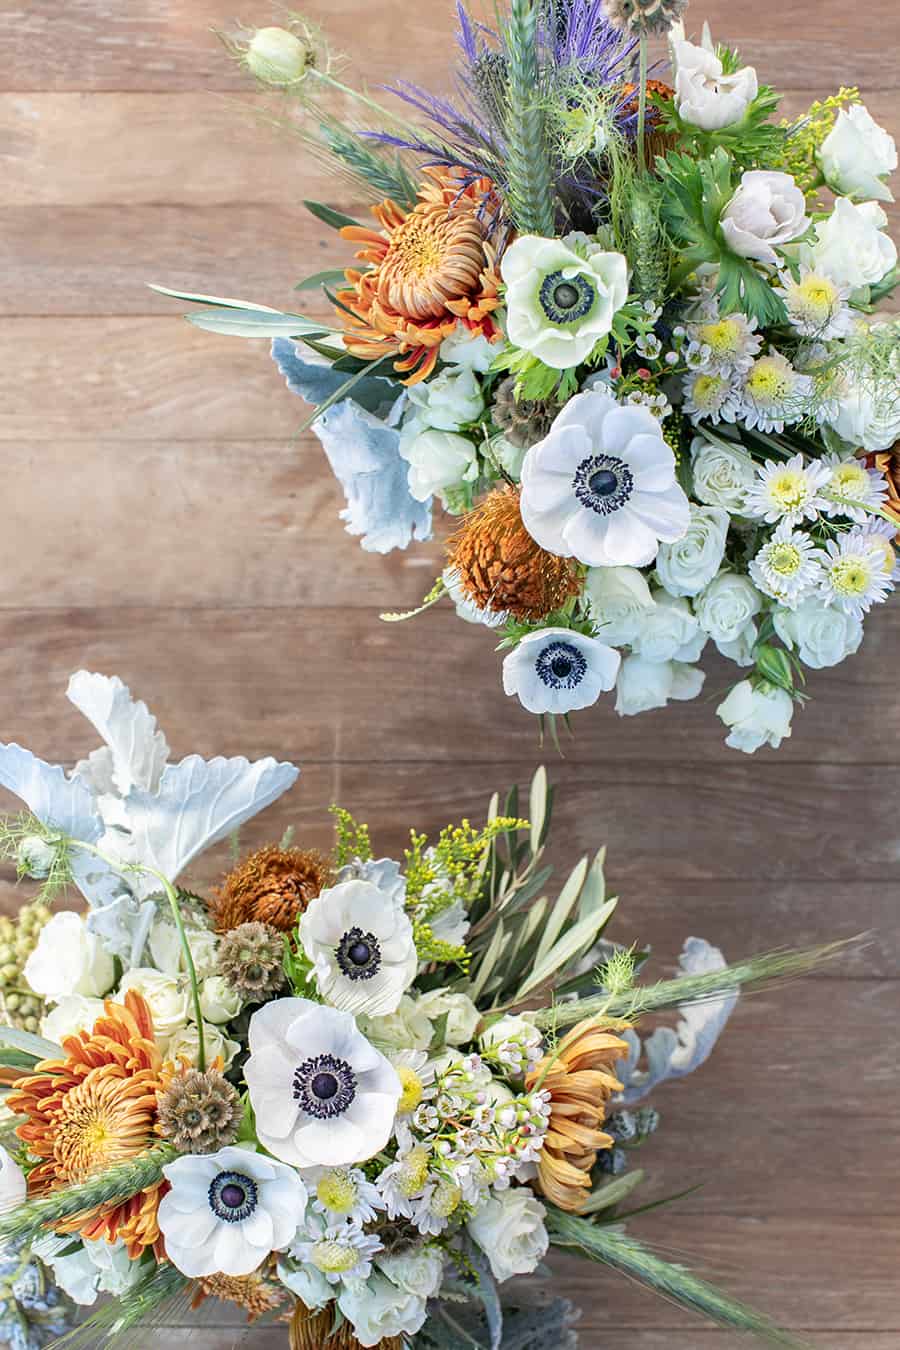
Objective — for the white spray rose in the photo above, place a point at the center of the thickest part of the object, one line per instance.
(643, 685)
(449, 400)
(168, 999)
(462, 1015)
(168, 953)
(757, 715)
(406, 1029)
(851, 246)
(618, 596)
(377, 1310)
(685, 567)
(668, 632)
(68, 959)
(767, 211)
(704, 95)
(471, 353)
(822, 635)
(72, 1014)
(722, 474)
(218, 1001)
(857, 154)
(509, 1229)
(185, 1045)
(438, 460)
(420, 1270)
(729, 603)
(864, 416)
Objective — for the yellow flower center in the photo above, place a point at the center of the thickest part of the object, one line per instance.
(333, 1258)
(707, 389)
(816, 297)
(884, 546)
(337, 1191)
(769, 381)
(445, 1200)
(413, 1089)
(722, 337)
(849, 480)
(789, 489)
(851, 576)
(414, 1172)
(785, 559)
(421, 251)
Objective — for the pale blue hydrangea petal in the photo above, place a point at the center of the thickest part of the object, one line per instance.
(137, 749)
(676, 1053)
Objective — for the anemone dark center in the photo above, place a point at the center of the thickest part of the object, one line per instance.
(358, 955)
(324, 1086)
(233, 1196)
(603, 483)
(566, 300)
(561, 665)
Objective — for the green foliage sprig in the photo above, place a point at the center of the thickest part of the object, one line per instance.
(352, 840)
(529, 172)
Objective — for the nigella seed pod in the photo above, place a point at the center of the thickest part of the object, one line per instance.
(277, 56)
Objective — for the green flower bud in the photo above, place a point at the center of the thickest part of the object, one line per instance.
(277, 56)
(773, 665)
(35, 857)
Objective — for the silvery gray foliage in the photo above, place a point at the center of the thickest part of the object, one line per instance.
(531, 1321)
(676, 1053)
(361, 440)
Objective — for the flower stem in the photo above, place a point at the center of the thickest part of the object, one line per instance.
(642, 105)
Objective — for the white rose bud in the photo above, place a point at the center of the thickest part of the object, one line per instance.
(757, 715)
(644, 685)
(218, 1001)
(618, 596)
(729, 603)
(462, 1015)
(68, 959)
(438, 460)
(857, 154)
(851, 246)
(168, 999)
(509, 1229)
(685, 567)
(722, 474)
(276, 56)
(704, 95)
(185, 1045)
(767, 211)
(822, 635)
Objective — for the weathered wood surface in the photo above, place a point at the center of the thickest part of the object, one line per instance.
(164, 522)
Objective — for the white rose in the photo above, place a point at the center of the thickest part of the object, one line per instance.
(757, 715)
(685, 567)
(857, 154)
(767, 210)
(13, 1186)
(449, 400)
(619, 596)
(863, 419)
(462, 1015)
(185, 1045)
(72, 1014)
(722, 474)
(823, 635)
(68, 959)
(406, 1029)
(643, 685)
(168, 953)
(420, 1270)
(471, 353)
(851, 246)
(438, 460)
(168, 999)
(704, 95)
(218, 1001)
(727, 605)
(308, 1283)
(668, 632)
(509, 1229)
(377, 1310)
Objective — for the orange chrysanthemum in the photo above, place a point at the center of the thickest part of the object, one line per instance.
(272, 886)
(431, 268)
(580, 1077)
(888, 462)
(657, 141)
(93, 1109)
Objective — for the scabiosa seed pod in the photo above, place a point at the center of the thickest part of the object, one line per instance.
(622, 1127)
(647, 1121)
(523, 422)
(199, 1112)
(646, 18)
(250, 960)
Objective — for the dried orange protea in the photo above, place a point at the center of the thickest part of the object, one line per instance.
(431, 268)
(580, 1077)
(92, 1110)
(256, 1293)
(312, 1331)
(657, 141)
(501, 568)
(888, 462)
(272, 886)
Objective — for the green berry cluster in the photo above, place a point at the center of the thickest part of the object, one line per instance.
(18, 938)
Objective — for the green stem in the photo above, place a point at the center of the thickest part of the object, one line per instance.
(347, 89)
(642, 106)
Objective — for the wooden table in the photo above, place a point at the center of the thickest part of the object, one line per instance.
(166, 525)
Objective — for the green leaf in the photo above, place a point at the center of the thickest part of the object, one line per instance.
(537, 806)
(563, 908)
(604, 1197)
(259, 324)
(573, 944)
(29, 1043)
(218, 300)
(328, 216)
(334, 276)
(17, 1059)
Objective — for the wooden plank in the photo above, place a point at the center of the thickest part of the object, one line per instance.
(233, 680)
(625, 1338)
(166, 44)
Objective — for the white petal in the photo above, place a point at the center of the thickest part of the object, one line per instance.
(668, 514)
(68, 804)
(139, 751)
(233, 1254)
(259, 1229)
(587, 411)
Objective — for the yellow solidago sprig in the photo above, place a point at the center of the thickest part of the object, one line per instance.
(352, 840)
(799, 156)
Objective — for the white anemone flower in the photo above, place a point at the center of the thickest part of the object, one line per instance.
(852, 490)
(360, 943)
(601, 486)
(322, 1094)
(227, 1211)
(790, 490)
(854, 576)
(556, 670)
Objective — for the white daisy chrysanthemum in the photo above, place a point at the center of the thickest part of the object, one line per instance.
(433, 1210)
(416, 1076)
(711, 398)
(732, 341)
(340, 1251)
(557, 670)
(342, 1193)
(791, 491)
(360, 943)
(854, 576)
(882, 534)
(852, 490)
(773, 393)
(817, 306)
(404, 1180)
(787, 567)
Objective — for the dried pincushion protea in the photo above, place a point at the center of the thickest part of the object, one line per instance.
(888, 462)
(256, 1293)
(200, 1112)
(501, 568)
(272, 886)
(250, 960)
(523, 422)
(312, 1331)
(644, 17)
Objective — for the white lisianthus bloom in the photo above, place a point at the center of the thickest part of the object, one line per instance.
(448, 401)
(184, 1045)
(705, 96)
(618, 596)
(69, 959)
(851, 246)
(438, 460)
(462, 1015)
(601, 486)
(644, 685)
(360, 943)
(864, 415)
(767, 211)
(462, 350)
(822, 635)
(168, 999)
(688, 565)
(722, 474)
(669, 631)
(407, 1028)
(420, 1270)
(218, 1001)
(322, 1094)
(72, 1014)
(561, 296)
(378, 1310)
(757, 715)
(509, 1229)
(729, 603)
(227, 1211)
(13, 1186)
(857, 155)
(556, 670)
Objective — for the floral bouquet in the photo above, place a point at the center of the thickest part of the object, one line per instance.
(617, 327)
(354, 1093)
